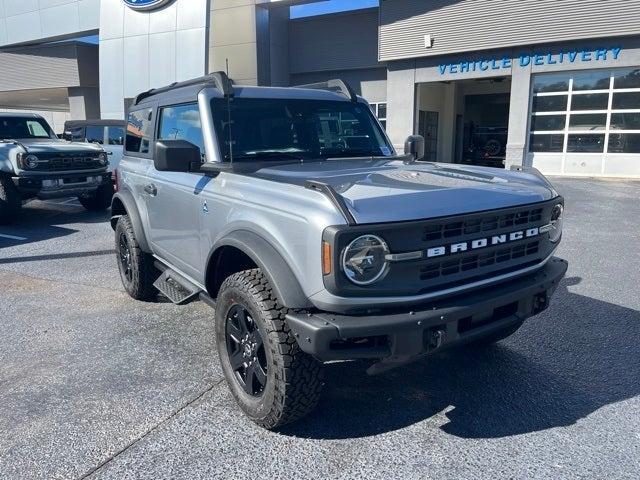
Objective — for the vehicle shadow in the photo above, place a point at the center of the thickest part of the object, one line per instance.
(41, 221)
(578, 356)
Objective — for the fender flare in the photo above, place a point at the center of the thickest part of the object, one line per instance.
(273, 265)
(124, 204)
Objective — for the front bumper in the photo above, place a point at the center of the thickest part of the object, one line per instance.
(66, 185)
(431, 326)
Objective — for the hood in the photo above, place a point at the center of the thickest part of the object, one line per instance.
(392, 190)
(51, 145)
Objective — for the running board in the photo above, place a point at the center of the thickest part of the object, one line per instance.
(176, 288)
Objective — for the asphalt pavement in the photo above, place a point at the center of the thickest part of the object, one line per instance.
(96, 385)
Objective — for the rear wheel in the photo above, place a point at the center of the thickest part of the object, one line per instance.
(273, 381)
(10, 200)
(137, 271)
(97, 200)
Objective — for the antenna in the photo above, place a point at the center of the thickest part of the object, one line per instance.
(229, 120)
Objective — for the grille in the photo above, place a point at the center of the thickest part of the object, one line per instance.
(57, 164)
(481, 225)
(480, 260)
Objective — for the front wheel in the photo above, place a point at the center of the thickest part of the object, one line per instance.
(10, 200)
(98, 200)
(137, 271)
(273, 381)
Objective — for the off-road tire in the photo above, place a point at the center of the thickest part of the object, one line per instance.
(10, 201)
(139, 283)
(98, 200)
(495, 337)
(294, 379)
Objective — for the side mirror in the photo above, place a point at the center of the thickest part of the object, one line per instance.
(414, 146)
(176, 156)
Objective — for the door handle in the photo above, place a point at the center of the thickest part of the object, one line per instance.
(109, 153)
(151, 189)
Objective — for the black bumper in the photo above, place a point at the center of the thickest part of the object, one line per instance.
(71, 184)
(429, 327)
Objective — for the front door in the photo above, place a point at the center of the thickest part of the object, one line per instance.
(174, 207)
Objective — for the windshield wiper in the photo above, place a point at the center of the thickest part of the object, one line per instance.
(262, 155)
(353, 154)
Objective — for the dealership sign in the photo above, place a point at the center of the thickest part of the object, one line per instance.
(145, 4)
(569, 57)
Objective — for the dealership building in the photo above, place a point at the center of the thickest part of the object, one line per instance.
(553, 84)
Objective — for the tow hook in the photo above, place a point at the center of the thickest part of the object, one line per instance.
(436, 339)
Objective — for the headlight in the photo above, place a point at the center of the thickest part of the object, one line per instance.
(103, 159)
(555, 230)
(28, 162)
(363, 261)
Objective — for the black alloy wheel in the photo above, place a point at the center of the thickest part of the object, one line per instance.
(124, 254)
(245, 347)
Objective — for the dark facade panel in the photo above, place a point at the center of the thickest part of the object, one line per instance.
(48, 66)
(334, 42)
(468, 25)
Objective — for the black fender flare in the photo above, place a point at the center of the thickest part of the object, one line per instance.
(123, 203)
(282, 279)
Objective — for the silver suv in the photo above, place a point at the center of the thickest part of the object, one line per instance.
(288, 210)
(35, 163)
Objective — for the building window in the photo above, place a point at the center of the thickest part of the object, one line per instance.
(595, 111)
(380, 111)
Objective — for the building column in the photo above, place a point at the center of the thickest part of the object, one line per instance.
(401, 102)
(518, 116)
(84, 103)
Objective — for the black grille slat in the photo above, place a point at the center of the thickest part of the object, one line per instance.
(469, 263)
(474, 226)
(58, 164)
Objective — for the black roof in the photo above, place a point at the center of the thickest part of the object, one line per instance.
(84, 123)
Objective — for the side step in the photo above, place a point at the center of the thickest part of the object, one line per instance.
(176, 288)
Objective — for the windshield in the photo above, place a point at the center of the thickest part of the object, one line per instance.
(24, 127)
(300, 129)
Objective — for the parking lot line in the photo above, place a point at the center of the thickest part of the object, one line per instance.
(12, 237)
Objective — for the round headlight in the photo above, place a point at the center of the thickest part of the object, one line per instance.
(363, 261)
(103, 159)
(555, 232)
(30, 161)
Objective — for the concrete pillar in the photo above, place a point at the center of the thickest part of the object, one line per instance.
(518, 116)
(84, 103)
(254, 38)
(401, 102)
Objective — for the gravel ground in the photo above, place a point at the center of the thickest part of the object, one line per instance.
(96, 385)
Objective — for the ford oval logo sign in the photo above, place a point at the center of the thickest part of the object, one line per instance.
(145, 4)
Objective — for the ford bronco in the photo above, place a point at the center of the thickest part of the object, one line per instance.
(289, 211)
(35, 163)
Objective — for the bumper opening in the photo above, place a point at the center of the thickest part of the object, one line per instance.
(472, 322)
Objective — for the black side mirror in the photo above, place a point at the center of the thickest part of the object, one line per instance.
(414, 146)
(176, 156)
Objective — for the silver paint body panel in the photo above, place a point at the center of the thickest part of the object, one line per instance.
(192, 212)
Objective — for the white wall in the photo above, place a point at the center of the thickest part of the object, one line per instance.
(29, 20)
(143, 50)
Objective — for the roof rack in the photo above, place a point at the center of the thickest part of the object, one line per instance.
(219, 80)
(335, 85)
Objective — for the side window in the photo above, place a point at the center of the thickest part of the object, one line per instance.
(95, 134)
(182, 122)
(116, 135)
(139, 131)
